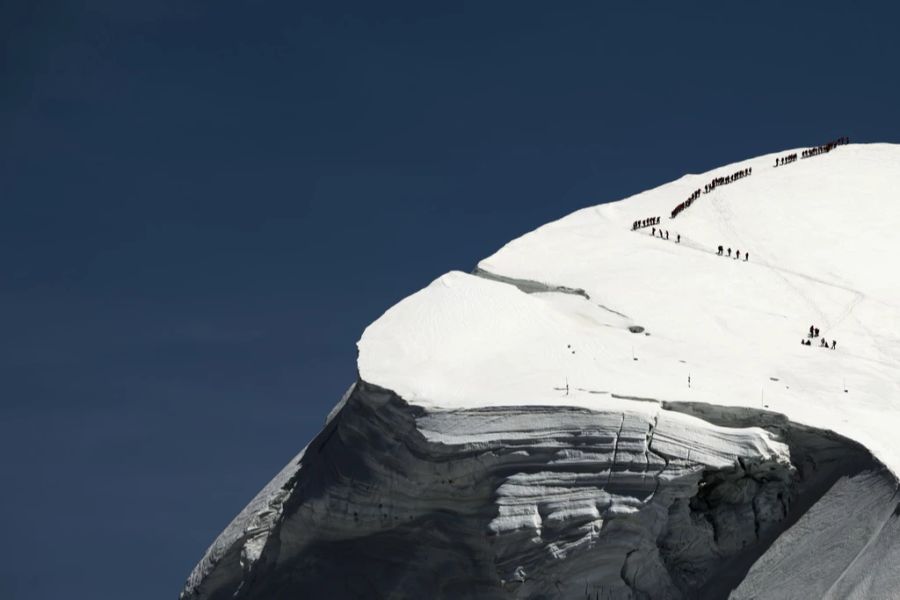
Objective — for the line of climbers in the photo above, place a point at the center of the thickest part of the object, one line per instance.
(810, 152)
(737, 254)
(677, 235)
(826, 148)
(645, 223)
(814, 333)
(710, 187)
(727, 179)
(789, 158)
(686, 203)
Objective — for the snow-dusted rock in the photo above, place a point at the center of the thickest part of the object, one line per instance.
(598, 413)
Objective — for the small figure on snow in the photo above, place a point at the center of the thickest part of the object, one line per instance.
(833, 344)
(721, 250)
(653, 232)
(738, 254)
(678, 239)
(729, 252)
(746, 256)
(812, 331)
(667, 234)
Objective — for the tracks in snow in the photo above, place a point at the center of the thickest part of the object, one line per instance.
(782, 273)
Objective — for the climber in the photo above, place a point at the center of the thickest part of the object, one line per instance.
(833, 344)
(746, 256)
(738, 254)
(678, 239)
(653, 232)
(667, 234)
(721, 250)
(729, 252)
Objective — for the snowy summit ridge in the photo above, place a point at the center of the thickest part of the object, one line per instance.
(606, 411)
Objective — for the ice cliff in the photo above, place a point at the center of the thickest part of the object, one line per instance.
(597, 412)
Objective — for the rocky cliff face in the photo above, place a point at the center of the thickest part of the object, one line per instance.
(546, 501)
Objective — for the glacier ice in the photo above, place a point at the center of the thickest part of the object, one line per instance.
(536, 501)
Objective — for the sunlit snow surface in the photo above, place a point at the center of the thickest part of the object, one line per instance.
(823, 236)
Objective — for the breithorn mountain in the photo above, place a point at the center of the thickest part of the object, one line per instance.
(600, 412)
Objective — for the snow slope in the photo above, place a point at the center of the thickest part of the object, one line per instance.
(822, 234)
(597, 412)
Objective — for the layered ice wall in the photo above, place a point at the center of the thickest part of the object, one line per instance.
(600, 413)
(539, 501)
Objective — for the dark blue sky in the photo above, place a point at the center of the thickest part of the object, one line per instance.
(204, 204)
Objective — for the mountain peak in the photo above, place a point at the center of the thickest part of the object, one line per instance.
(622, 404)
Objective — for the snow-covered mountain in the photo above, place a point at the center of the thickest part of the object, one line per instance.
(599, 412)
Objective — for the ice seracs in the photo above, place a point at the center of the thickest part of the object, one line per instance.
(596, 411)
